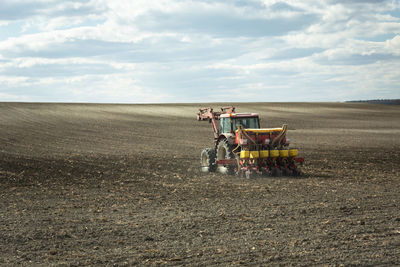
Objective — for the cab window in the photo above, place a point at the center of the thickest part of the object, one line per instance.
(225, 125)
(247, 123)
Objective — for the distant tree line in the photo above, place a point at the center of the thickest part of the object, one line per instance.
(378, 101)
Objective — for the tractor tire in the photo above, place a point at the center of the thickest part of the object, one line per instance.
(297, 172)
(224, 151)
(249, 174)
(285, 171)
(207, 160)
(276, 171)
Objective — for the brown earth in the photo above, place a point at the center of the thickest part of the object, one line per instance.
(89, 184)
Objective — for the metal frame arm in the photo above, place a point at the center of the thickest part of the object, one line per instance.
(213, 117)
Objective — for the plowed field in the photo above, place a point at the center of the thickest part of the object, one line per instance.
(91, 184)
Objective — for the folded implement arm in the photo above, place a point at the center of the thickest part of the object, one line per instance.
(212, 116)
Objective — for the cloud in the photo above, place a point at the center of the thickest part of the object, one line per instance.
(24, 9)
(223, 20)
(187, 51)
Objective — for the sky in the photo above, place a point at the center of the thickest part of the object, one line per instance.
(173, 51)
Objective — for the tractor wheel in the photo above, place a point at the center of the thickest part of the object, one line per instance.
(224, 151)
(250, 175)
(285, 171)
(296, 172)
(266, 173)
(207, 160)
(276, 171)
(239, 173)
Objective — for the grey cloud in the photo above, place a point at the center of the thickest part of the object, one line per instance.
(179, 79)
(257, 4)
(18, 10)
(357, 59)
(349, 2)
(247, 3)
(394, 13)
(70, 11)
(11, 10)
(281, 6)
(379, 38)
(167, 50)
(172, 50)
(59, 70)
(76, 48)
(223, 24)
(37, 93)
(293, 53)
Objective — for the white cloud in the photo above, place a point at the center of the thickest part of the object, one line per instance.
(393, 45)
(185, 51)
(12, 81)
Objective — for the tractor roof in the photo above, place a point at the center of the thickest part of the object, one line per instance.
(239, 115)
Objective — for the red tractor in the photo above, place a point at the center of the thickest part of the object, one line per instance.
(241, 147)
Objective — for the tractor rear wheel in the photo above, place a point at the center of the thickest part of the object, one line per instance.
(207, 160)
(224, 151)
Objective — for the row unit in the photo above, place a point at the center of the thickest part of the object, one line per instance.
(272, 153)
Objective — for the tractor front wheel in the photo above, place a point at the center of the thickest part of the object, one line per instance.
(207, 160)
(224, 151)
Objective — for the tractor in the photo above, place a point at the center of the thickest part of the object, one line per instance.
(242, 148)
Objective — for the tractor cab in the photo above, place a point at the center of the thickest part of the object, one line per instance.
(229, 123)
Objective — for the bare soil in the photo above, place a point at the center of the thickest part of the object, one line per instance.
(91, 184)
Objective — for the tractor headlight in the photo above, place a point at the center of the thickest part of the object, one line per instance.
(267, 141)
